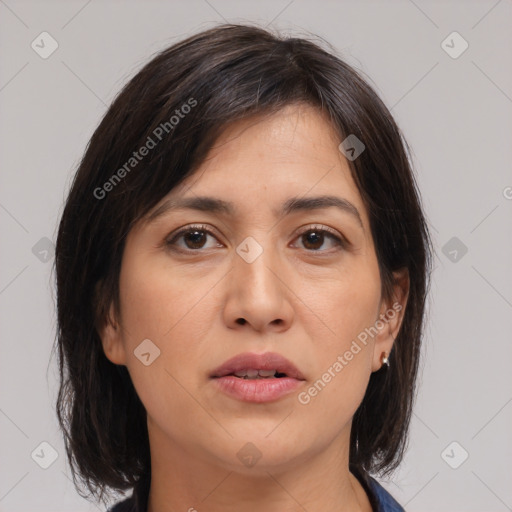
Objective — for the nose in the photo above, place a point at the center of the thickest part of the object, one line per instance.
(258, 296)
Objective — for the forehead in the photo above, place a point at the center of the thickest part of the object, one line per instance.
(293, 152)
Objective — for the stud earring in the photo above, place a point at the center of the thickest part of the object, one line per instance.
(384, 359)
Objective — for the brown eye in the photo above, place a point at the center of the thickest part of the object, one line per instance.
(195, 239)
(192, 238)
(314, 238)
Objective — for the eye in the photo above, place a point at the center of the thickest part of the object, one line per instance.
(194, 237)
(314, 238)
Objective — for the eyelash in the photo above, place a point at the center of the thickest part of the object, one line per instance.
(340, 242)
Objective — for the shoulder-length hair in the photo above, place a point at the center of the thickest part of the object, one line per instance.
(176, 106)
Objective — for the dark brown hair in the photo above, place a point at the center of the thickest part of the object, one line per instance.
(223, 74)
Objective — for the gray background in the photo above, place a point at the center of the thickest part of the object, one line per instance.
(456, 114)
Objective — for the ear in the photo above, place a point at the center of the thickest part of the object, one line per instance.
(109, 331)
(390, 319)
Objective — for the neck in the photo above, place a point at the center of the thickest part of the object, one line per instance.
(183, 480)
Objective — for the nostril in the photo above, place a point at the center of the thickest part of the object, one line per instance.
(240, 321)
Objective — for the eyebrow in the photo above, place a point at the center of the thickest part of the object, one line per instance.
(294, 204)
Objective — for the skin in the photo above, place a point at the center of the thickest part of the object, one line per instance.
(305, 299)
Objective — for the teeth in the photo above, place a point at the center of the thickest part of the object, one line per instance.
(251, 374)
(255, 374)
(267, 373)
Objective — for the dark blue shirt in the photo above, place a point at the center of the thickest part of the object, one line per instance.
(380, 499)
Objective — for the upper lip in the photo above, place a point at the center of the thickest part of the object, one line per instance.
(266, 361)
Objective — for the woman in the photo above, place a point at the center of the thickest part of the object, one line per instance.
(242, 267)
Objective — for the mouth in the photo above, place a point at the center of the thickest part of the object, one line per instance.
(252, 374)
(250, 366)
(257, 377)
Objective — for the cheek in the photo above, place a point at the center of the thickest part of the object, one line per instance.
(347, 305)
(329, 402)
(158, 301)
(172, 310)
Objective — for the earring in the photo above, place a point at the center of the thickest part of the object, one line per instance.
(384, 359)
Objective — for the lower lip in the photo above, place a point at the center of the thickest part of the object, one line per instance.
(257, 390)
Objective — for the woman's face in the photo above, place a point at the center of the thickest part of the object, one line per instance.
(255, 280)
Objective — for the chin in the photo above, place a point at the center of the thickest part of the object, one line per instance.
(263, 450)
